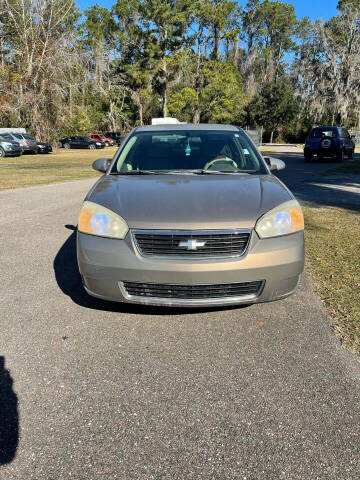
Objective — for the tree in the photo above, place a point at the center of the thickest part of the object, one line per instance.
(274, 106)
(166, 20)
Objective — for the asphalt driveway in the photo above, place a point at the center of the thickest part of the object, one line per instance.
(92, 390)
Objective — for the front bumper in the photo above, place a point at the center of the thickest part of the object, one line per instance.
(13, 152)
(106, 263)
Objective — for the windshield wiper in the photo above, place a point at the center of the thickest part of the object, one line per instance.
(136, 172)
(218, 172)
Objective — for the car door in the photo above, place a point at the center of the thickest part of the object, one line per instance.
(75, 142)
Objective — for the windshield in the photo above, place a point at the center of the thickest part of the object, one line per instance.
(7, 137)
(172, 151)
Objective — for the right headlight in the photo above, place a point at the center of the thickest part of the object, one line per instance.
(282, 220)
(98, 220)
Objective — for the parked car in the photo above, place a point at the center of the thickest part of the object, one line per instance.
(115, 136)
(8, 147)
(329, 142)
(44, 147)
(98, 137)
(79, 141)
(190, 215)
(27, 143)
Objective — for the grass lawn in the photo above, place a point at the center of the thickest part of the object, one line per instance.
(333, 258)
(55, 167)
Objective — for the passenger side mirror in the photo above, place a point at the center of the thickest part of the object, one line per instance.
(101, 164)
(274, 163)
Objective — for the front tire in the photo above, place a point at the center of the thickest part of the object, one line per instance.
(307, 157)
(2, 152)
(92, 147)
(67, 145)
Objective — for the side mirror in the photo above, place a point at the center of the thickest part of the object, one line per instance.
(274, 163)
(101, 164)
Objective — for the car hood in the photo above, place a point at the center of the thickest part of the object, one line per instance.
(189, 201)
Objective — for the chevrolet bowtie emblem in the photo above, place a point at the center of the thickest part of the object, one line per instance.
(191, 244)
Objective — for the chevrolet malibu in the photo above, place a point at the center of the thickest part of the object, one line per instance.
(190, 215)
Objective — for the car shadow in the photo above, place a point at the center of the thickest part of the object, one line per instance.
(9, 416)
(68, 278)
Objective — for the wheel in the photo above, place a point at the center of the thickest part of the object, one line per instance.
(340, 157)
(92, 147)
(2, 152)
(59, 145)
(307, 157)
(34, 152)
(351, 155)
(66, 145)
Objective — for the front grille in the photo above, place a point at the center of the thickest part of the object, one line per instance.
(221, 290)
(184, 244)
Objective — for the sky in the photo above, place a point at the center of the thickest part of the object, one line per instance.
(304, 8)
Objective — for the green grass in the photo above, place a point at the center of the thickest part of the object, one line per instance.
(39, 169)
(333, 258)
(351, 166)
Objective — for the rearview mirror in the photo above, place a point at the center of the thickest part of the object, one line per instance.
(101, 164)
(274, 163)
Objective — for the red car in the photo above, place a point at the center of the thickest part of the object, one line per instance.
(100, 138)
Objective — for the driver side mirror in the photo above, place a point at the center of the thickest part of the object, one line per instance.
(101, 164)
(274, 163)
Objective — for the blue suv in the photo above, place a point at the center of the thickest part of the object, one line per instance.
(329, 142)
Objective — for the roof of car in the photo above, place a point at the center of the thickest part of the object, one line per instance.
(326, 126)
(187, 126)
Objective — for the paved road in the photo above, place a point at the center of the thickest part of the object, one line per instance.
(91, 390)
(307, 182)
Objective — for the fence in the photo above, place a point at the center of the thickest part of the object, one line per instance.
(255, 134)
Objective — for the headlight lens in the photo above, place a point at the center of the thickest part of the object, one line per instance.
(282, 220)
(101, 221)
(7, 145)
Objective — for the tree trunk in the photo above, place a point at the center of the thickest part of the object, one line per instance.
(196, 117)
(216, 43)
(165, 109)
(141, 113)
(271, 136)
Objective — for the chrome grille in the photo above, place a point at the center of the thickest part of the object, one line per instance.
(213, 243)
(221, 290)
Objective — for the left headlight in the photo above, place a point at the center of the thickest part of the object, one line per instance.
(98, 220)
(282, 220)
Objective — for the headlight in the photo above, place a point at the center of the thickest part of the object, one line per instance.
(98, 143)
(101, 221)
(282, 220)
(7, 145)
